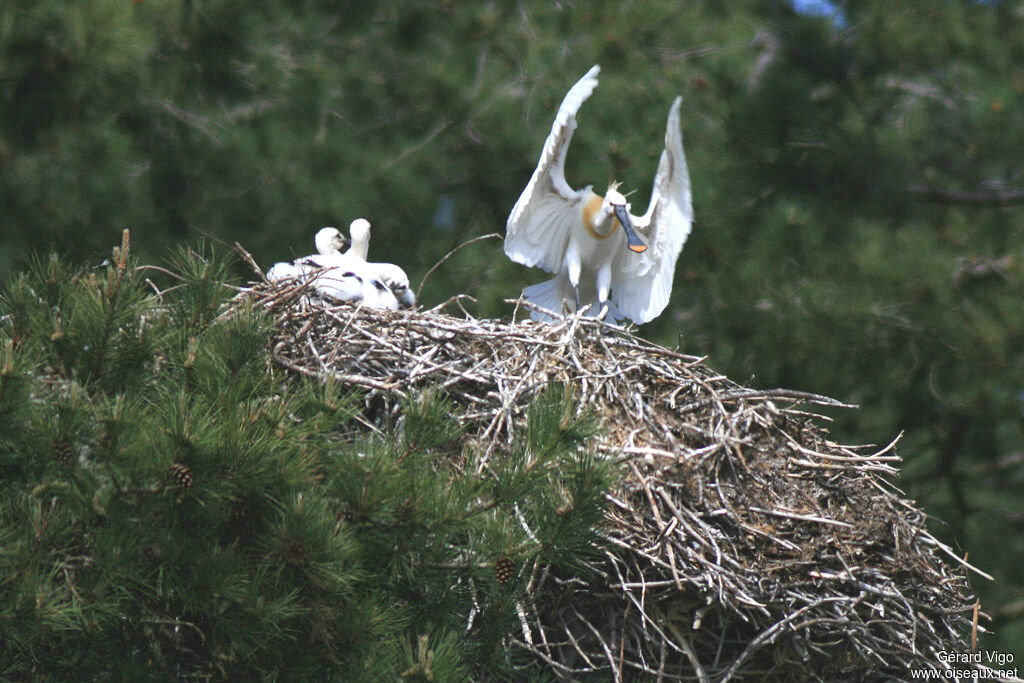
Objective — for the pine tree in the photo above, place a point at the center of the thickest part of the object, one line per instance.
(856, 182)
(173, 507)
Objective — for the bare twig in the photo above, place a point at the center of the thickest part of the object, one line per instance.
(489, 236)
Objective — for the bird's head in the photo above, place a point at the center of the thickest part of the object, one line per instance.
(616, 202)
(360, 230)
(613, 198)
(329, 241)
(398, 282)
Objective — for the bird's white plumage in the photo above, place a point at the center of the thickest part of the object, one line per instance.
(283, 271)
(340, 276)
(377, 294)
(644, 289)
(388, 273)
(397, 281)
(538, 227)
(573, 233)
(356, 286)
(329, 243)
(337, 284)
(359, 231)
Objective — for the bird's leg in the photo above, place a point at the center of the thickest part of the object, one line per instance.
(574, 265)
(604, 283)
(566, 310)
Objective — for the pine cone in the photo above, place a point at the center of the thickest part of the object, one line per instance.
(182, 476)
(151, 554)
(295, 554)
(64, 452)
(503, 570)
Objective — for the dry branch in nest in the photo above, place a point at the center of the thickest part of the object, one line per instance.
(742, 544)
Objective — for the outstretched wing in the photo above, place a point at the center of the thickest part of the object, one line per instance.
(538, 227)
(642, 286)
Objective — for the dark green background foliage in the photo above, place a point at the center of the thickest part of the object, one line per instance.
(856, 183)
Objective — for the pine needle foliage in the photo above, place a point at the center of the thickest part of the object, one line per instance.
(172, 507)
(856, 179)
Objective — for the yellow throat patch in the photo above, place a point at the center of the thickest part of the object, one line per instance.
(590, 209)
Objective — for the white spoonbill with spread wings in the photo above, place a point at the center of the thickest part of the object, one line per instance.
(602, 256)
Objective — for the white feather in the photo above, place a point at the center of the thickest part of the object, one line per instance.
(573, 233)
(376, 294)
(359, 231)
(351, 279)
(396, 280)
(329, 243)
(339, 285)
(284, 270)
(338, 276)
(388, 273)
(538, 227)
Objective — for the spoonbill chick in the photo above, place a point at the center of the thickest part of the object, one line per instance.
(603, 256)
(355, 286)
(378, 295)
(396, 280)
(329, 243)
(388, 273)
(337, 275)
(359, 230)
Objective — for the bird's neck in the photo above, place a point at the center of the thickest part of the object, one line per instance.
(598, 220)
(360, 248)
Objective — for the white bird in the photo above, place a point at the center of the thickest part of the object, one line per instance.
(354, 286)
(377, 294)
(388, 273)
(329, 243)
(575, 233)
(359, 231)
(340, 276)
(396, 280)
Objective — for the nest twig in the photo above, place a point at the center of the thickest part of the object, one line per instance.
(742, 543)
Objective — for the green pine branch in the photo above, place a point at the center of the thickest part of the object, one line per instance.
(171, 495)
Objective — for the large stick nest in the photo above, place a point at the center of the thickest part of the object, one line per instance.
(742, 543)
